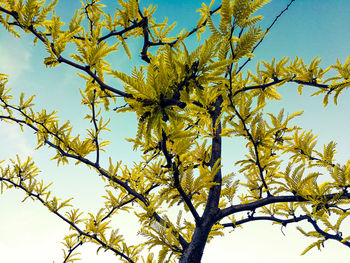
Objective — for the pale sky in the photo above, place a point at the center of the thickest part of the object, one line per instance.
(29, 233)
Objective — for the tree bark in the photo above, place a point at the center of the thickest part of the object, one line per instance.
(194, 252)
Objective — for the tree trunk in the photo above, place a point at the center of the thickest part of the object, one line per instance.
(194, 252)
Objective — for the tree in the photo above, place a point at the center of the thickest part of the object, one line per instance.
(187, 103)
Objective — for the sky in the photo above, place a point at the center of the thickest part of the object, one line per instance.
(28, 233)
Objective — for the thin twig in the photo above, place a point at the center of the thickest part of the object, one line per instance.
(73, 225)
(71, 250)
(266, 31)
(176, 176)
(96, 130)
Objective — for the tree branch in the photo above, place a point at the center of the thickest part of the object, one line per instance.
(127, 202)
(70, 155)
(313, 84)
(264, 86)
(61, 59)
(176, 176)
(100, 170)
(212, 204)
(255, 146)
(284, 222)
(71, 250)
(266, 31)
(73, 225)
(274, 199)
(337, 237)
(86, 69)
(96, 131)
(123, 31)
(147, 43)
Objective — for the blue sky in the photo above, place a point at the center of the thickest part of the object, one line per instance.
(29, 233)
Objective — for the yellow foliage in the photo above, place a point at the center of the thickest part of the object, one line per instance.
(187, 103)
